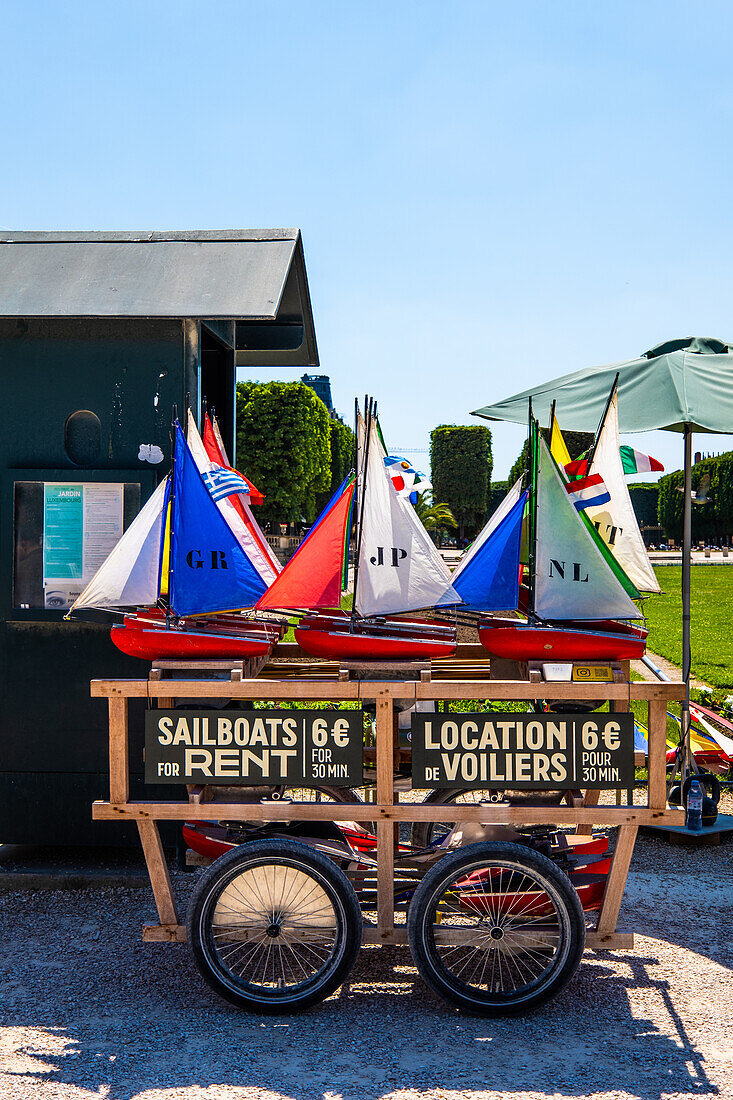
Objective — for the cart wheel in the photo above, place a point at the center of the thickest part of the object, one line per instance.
(424, 833)
(496, 928)
(274, 926)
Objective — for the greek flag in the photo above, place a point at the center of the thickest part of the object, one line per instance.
(221, 481)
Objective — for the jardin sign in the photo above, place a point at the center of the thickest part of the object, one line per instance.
(523, 752)
(254, 748)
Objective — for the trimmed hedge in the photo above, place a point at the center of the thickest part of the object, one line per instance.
(710, 522)
(461, 465)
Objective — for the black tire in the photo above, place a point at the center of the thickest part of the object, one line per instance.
(495, 953)
(271, 887)
(424, 833)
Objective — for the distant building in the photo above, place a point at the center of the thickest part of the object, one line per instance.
(321, 386)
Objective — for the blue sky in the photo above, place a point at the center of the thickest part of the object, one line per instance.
(489, 194)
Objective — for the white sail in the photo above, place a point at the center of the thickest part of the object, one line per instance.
(247, 507)
(252, 546)
(503, 510)
(400, 568)
(572, 578)
(129, 576)
(616, 521)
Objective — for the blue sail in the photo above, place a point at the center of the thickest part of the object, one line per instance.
(209, 570)
(490, 581)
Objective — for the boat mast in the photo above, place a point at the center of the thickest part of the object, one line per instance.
(532, 533)
(356, 467)
(370, 408)
(169, 512)
(592, 451)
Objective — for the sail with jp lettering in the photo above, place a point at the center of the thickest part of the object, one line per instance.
(399, 567)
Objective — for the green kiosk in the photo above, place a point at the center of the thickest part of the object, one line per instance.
(101, 334)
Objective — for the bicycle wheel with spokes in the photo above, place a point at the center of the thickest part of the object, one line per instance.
(496, 928)
(274, 926)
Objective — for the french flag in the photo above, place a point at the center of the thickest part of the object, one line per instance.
(588, 492)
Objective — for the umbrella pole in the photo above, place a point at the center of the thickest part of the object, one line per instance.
(686, 556)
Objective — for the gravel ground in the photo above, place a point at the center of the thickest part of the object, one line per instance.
(87, 1010)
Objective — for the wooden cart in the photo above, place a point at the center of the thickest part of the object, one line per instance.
(447, 680)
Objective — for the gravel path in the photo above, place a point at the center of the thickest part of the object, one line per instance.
(87, 1010)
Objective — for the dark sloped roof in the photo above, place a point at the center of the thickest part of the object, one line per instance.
(232, 274)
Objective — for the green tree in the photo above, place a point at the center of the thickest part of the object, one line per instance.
(283, 445)
(713, 520)
(576, 443)
(433, 516)
(521, 463)
(644, 498)
(499, 490)
(461, 465)
(342, 452)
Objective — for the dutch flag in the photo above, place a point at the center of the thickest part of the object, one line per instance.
(588, 492)
(222, 481)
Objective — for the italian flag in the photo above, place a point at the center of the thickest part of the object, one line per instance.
(635, 462)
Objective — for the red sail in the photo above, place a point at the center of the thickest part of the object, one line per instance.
(216, 454)
(312, 577)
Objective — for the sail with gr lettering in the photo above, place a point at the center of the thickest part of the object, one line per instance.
(233, 506)
(209, 570)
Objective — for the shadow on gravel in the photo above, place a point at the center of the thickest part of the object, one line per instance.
(117, 1018)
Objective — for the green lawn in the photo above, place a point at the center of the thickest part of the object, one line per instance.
(711, 622)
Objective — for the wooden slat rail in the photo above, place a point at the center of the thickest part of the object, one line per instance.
(370, 690)
(494, 814)
(386, 811)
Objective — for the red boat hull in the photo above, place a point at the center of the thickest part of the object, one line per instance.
(519, 641)
(331, 637)
(151, 644)
(209, 839)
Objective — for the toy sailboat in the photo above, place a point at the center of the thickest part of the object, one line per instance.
(579, 600)
(398, 571)
(194, 553)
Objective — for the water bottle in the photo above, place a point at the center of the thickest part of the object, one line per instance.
(694, 807)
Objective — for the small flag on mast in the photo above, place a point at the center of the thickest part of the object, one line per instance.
(221, 481)
(558, 448)
(633, 462)
(588, 492)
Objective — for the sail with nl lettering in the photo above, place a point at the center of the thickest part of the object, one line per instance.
(578, 600)
(573, 579)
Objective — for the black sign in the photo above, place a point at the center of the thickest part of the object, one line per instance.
(273, 747)
(523, 751)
